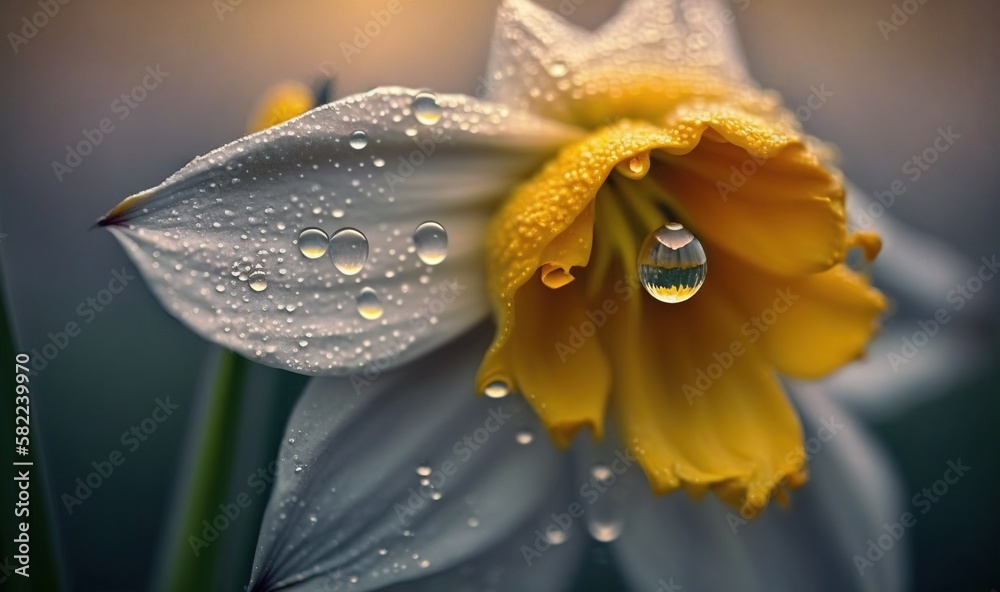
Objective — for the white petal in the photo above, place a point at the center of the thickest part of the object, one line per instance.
(808, 546)
(199, 236)
(348, 500)
(537, 54)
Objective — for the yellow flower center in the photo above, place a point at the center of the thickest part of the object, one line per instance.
(598, 270)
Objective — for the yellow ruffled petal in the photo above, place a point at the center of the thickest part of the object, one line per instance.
(807, 326)
(798, 229)
(802, 236)
(700, 408)
(555, 359)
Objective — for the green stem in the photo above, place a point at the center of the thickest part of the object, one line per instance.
(43, 567)
(191, 565)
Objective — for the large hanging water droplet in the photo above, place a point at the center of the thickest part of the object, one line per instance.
(426, 109)
(313, 243)
(497, 389)
(369, 305)
(431, 241)
(358, 140)
(348, 250)
(672, 263)
(258, 280)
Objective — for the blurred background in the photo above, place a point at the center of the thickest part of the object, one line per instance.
(893, 90)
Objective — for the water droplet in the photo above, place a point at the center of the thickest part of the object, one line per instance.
(558, 69)
(383, 552)
(313, 518)
(313, 243)
(555, 536)
(423, 470)
(604, 532)
(426, 108)
(358, 140)
(348, 250)
(258, 280)
(431, 241)
(369, 306)
(601, 472)
(497, 389)
(635, 165)
(672, 263)
(525, 437)
(473, 522)
(435, 495)
(220, 288)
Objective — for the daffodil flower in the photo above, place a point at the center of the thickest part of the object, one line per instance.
(656, 239)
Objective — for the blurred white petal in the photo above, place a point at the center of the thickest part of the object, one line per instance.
(808, 546)
(915, 357)
(348, 501)
(537, 52)
(199, 236)
(913, 267)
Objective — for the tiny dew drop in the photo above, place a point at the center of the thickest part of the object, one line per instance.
(497, 389)
(431, 242)
(423, 470)
(358, 140)
(525, 437)
(555, 536)
(258, 280)
(558, 69)
(348, 250)
(604, 532)
(313, 243)
(672, 264)
(426, 109)
(601, 473)
(369, 305)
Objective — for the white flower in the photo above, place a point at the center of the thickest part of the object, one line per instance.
(352, 239)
